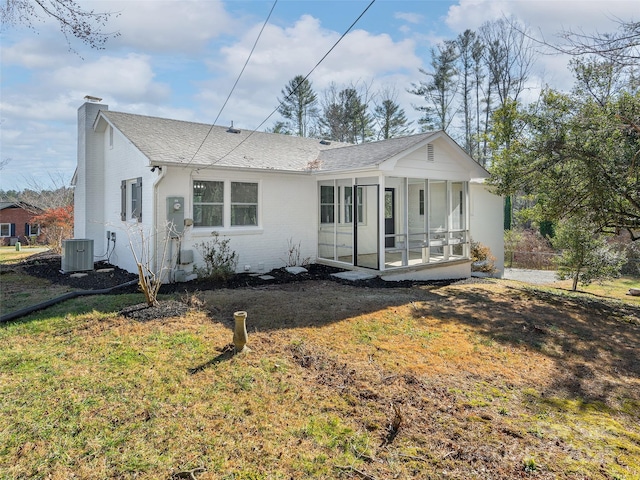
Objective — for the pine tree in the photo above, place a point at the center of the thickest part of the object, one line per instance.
(299, 106)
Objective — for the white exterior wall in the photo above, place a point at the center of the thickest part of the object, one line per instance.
(447, 164)
(89, 189)
(286, 210)
(443, 271)
(487, 222)
(124, 162)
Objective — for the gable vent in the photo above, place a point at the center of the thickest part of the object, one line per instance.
(431, 156)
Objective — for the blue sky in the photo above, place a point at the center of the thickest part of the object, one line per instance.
(179, 59)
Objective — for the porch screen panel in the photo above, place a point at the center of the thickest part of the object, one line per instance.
(326, 220)
(458, 206)
(458, 235)
(344, 225)
(438, 221)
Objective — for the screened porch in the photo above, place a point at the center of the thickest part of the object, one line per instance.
(386, 223)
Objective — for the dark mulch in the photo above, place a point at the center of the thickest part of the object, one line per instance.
(106, 276)
(47, 265)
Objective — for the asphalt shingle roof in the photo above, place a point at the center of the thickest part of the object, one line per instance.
(166, 141)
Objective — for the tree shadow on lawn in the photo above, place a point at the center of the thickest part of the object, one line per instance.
(594, 343)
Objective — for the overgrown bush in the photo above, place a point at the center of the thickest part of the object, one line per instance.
(528, 249)
(220, 260)
(482, 258)
(623, 243)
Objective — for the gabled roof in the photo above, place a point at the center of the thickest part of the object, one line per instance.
(369, 154)
(165, 141)
(176, 142)
(22, 205)
(4, 205)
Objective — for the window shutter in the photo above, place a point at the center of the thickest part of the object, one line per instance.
(139, 198)
(26, 230)
(13, 230)
(123, 200)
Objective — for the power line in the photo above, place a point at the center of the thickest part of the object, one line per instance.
(297, 86)
(236, 82)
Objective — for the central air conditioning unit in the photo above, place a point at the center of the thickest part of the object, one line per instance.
(77, 255)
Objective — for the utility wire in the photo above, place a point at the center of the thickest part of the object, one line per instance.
(236, 82)
(296, 88)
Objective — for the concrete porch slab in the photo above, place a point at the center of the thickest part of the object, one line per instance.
(353, 275)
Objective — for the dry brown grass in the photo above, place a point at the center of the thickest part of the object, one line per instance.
(476, 380)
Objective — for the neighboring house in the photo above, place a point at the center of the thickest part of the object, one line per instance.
(403, 208)
(16, 224)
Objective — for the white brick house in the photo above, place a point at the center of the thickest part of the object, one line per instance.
(404, 208)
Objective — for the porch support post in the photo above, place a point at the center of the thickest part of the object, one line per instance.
(381, 229)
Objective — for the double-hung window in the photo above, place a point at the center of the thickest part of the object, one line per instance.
(208, 203)
(244, 204)
(224, 204)
(6, 229)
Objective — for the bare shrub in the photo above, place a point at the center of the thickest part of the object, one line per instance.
(294, 257)
(220, 260)
(528, 249)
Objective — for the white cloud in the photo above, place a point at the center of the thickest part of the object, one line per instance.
(545, 20)
(283, 53)
(547, 17)
(129, 78)
(33, 53)
(169, 25)
(409, 17)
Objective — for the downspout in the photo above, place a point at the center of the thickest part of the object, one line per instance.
(156, 182)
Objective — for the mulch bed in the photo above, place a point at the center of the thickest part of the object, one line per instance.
(106, 276)
(48, 266)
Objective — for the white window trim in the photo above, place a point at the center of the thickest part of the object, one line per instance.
(227, 228)
(8, 226)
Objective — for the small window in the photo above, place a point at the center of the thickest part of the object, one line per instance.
(5, 229)
(110, 136)
(131, 200)
(244, 204)
(208, 203)
(31, 230)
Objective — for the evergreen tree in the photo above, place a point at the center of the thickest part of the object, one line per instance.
(391, 119)
(440, 90)
(345, 116)
(299, 106)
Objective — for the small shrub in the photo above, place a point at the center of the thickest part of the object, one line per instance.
(220, 260)
(483, 260)
(294, 258)
(529, 465)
